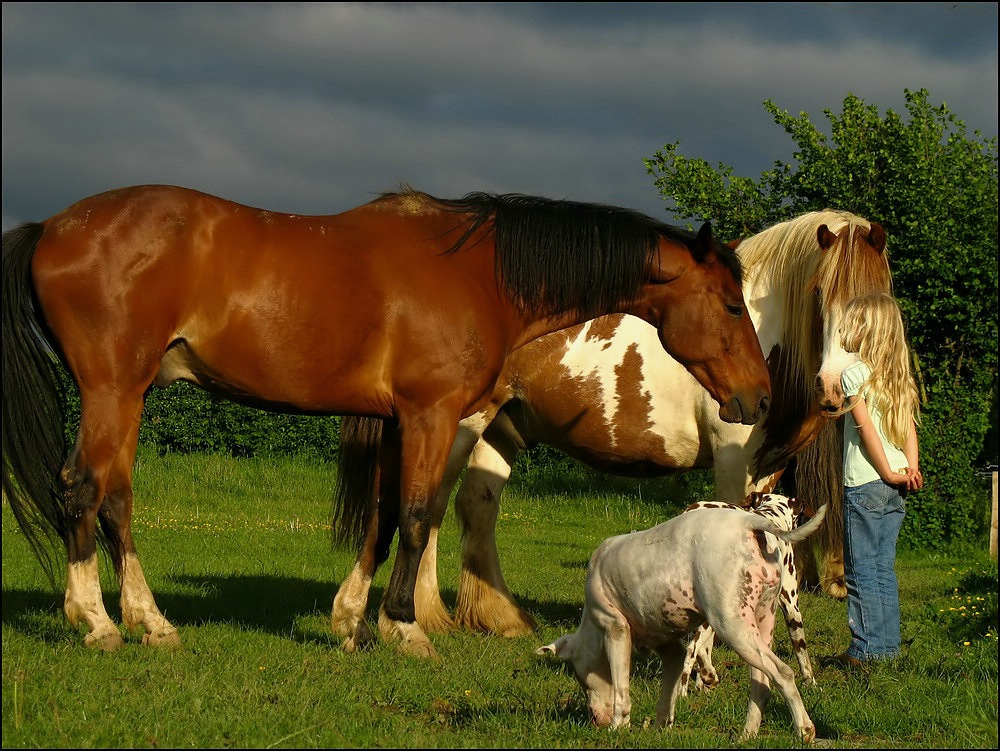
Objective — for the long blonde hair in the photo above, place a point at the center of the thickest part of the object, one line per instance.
(873, 328)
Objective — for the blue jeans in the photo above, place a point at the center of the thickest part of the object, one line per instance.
(873, 515)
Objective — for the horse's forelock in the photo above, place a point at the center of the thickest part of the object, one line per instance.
(851, 266)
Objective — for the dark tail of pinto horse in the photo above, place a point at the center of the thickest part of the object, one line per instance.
(819, 479)
(34, 443)
(358, 495)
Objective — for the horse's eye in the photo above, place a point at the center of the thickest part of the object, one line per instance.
(735, 310)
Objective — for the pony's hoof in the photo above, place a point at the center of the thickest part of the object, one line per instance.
(808, 733)
(166, 638)
(107, 641)
(837, 590)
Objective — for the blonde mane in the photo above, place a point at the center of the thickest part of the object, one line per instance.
(788, 256)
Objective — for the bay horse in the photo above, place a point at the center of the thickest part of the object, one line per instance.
(606, 394)
(402, 309)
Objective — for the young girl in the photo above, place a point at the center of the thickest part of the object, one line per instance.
(880, 465)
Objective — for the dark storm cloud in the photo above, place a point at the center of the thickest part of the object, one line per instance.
(314, 108)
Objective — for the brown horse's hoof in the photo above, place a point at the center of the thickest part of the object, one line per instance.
(513, 630)
(360, 638)
(166, 638)
(107, 641)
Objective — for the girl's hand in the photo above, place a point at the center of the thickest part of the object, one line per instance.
(898, 479)
(913, 478)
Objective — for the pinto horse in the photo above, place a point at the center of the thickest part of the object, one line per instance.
(403, 310)
(606, 394)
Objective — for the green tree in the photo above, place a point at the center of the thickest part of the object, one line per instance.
(934, 189)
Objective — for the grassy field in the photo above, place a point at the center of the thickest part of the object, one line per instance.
(239, 556)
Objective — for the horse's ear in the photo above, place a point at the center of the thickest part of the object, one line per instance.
(734, 244)
(704, 243)
(753, 499)
(876, 237)
(825, 237)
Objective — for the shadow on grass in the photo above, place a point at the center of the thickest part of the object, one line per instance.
(271, 604)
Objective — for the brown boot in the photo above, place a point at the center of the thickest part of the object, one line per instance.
(844, 660)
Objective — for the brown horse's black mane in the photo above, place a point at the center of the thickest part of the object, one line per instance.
(558, 255)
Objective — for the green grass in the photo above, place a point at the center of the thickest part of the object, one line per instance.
(239, 556)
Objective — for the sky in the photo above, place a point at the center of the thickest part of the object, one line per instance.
(314, 108)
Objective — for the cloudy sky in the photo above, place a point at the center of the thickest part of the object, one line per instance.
(315, 108)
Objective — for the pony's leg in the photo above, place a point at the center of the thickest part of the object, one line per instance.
(427, 436)
(751, 643)
(760, 692)
(351, 601)
(484, 601)
(793, 619)
(618, 647)
(672, 659)
(432, 615)
(699, 652)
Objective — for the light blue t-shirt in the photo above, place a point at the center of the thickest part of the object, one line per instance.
(858, 467)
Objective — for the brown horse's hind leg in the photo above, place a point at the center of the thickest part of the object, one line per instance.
(84, 603)
(484, 601)
(138, 607)
(351, 601)
(85, 479)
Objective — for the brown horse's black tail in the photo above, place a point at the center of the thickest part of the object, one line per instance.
(357, 495)
(34, 442)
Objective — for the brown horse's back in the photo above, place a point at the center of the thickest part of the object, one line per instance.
(181, 285)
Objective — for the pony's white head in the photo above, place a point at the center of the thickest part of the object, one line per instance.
(799, 275)
(854, 263)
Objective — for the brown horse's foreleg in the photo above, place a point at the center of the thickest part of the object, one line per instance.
(432, 615)
(832, 580)
(484, 601)
(427, 437)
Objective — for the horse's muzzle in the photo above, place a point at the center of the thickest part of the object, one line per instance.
(739, 409)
